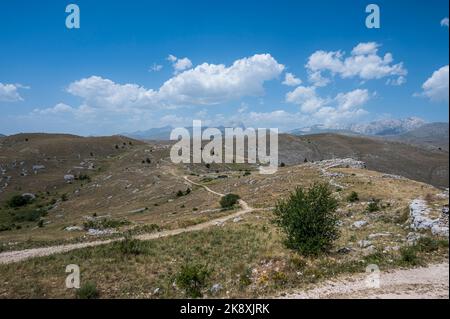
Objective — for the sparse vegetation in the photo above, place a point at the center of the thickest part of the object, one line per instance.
(104, 223)
(308, 219)
(130, 246)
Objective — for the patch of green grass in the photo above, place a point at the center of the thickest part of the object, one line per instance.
(88, 291)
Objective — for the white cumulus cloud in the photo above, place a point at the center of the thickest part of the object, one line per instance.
(179, 65)
(206, 84)
(291, 80)
(343, 107)
(364, 62)
(10, 92)
(57, 109)
(215, 83)
(436, 87)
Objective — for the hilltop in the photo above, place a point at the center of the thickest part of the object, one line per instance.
(384, 156)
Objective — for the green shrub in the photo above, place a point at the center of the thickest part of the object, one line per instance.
(229, 200)
(309, 219)
(193, 278)
(353, 197)
(84, 177)
(88, 291)
(18, 201)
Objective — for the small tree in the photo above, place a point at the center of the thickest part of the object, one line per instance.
(309, 219)
(193, 278)
(229, 200)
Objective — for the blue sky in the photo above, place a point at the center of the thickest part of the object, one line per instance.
(137, 64)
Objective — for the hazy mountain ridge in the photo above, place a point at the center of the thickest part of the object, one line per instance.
(430, 136)
(377, 128)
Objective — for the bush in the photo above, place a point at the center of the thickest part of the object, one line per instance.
(353, 197)
(84, 177)
(18, 201)
(408, 255)
(193, 278)
(373, 207)
(309, 219)
(229, 200)
(88, 291)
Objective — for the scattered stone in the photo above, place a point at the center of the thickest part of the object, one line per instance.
(237, 219)
(216, 288)
(369, 250)
(69, 178)
(37, 168)
(364, 243)
(413, 237)
(100, 232)
(73, 228)
(419, 212)
(438, 230)
(140, 210)
(29, 196)
(392, 176)
(377, 235)
(359, 224)
(391, 248)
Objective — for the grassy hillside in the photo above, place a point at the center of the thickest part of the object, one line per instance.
(383, 156)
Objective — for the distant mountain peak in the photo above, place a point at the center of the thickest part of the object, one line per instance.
(379, 127)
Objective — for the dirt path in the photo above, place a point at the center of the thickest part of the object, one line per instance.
(429, 282)
(16, 256)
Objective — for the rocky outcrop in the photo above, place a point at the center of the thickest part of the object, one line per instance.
(421, 220)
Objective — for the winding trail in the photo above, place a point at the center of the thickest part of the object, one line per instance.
(16, 256)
